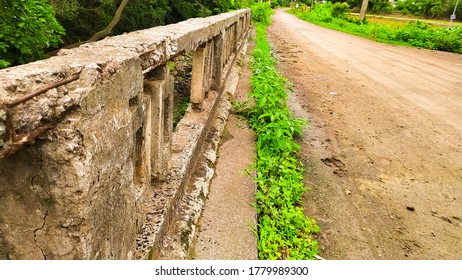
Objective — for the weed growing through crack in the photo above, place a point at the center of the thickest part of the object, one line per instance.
(284, 232)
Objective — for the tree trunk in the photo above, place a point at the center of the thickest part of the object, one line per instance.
(111, 25)
(362, 13)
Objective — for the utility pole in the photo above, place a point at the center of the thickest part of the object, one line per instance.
(453, 16)
(362, 13)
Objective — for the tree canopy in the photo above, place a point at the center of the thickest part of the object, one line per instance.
(83, 18)
(426, 8)
(28, 28)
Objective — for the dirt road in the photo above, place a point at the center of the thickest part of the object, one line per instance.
(383, 151)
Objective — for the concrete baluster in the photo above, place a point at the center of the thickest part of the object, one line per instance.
(141, 123)
(168, 119)
(239, 29)
(217, 63)
(208, 67)
(229, 33)
(235, 37)
(159, 84)
(197, 79)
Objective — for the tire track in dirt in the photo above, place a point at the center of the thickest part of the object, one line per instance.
(383, 151)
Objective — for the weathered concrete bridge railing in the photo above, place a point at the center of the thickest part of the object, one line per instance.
(84, 134)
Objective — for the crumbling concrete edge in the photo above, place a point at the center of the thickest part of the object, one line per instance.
(178, 243)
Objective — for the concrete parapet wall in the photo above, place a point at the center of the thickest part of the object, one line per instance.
(86, 137)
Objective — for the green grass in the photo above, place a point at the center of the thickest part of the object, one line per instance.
(387, 22)
(414, 33)
(284, 232)
(398, 20)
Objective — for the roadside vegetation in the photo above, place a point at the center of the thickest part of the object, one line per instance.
(414, 33)
(418, 8)
(27, 29)
(283, 232)
(31, 29)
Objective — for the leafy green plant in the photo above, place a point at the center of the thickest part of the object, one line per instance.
(183, 104)
(28, 28)
(240, 107)
(340, 10)
(261, 12)
(284, 232)
(4, 63)
(427, 8)
(380, 6)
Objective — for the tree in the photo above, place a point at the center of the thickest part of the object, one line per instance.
(427, 8)
(280, 3)
(340, 10)
(83, 18)
(142, 14)
(354, 3)
(430, 8)
(28, 29)
(114, 21)
(380, 6)
(185, 9)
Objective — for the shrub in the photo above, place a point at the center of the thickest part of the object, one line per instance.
(447, 39)
(380, 6)
(427, 8)
(261, 12)
(340, 10)
(28, 28)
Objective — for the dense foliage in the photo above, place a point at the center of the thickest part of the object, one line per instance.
(28, 28)
(261, 12)
(83, 18)
(414, 33)
(340, 10)
(425, 8)
(280, 3)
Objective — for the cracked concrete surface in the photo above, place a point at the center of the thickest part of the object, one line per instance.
(37, 231)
